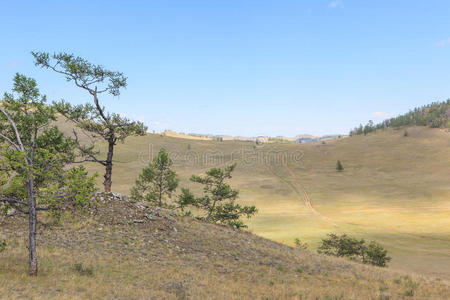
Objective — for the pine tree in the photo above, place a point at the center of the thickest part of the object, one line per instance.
(339, 166)
(156, 181)
(218, 200)
(92, 119)
(34, 156)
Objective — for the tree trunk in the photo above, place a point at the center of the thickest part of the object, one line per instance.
(216, 198)
(109, 165)
(212, 209)
(33, 261)
(160, 195)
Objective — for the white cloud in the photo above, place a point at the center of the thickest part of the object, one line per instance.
(334, 4)
(443, 43)
(135, 117)
(382, 115)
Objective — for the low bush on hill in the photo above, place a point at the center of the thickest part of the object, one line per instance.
(354, 249)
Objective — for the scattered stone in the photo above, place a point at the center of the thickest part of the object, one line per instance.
(141, 205)
(150, 217)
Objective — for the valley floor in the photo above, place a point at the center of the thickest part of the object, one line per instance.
(128, 251)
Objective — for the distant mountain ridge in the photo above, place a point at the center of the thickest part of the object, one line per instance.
(312, 139)
(301, 138)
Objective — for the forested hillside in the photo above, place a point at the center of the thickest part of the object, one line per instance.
(434, 115)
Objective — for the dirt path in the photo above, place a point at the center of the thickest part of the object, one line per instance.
(306, 196)
(300, 190)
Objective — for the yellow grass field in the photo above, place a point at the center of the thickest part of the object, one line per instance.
(394, 189)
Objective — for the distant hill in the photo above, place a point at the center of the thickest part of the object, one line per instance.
(434, 115)
(312, 139)
(301, 138)
(185, 136)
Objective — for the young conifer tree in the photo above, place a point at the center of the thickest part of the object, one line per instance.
(218, 199)
(156, 181)
(339, 166)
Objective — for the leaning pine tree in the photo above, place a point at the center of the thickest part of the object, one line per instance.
(339, 166)
(34, 160)
(92, 119)
(156, 181)
(218, 200)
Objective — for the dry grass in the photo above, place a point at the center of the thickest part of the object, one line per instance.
(170, 257)
(394, 189)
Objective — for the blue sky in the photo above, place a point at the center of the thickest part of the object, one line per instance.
(241, 67)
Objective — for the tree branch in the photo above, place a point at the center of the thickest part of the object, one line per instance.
(100, 110)
(14, 202)
(22, 149)
(84, 152)
(10, 142)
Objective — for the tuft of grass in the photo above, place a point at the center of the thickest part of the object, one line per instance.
(383, 288)
(84, 271)
(2, 245)
(384, 297)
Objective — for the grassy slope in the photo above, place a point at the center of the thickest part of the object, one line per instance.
(168, 257)
(394, 189)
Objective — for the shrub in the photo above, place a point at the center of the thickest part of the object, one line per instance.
(78, 190)
(376, 255)
(345, 246)
(301, 245)
(341, 246)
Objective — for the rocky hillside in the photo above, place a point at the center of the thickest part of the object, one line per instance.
(128, 250)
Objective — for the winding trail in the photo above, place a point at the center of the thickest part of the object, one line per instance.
(306, 196)
(300, 190)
